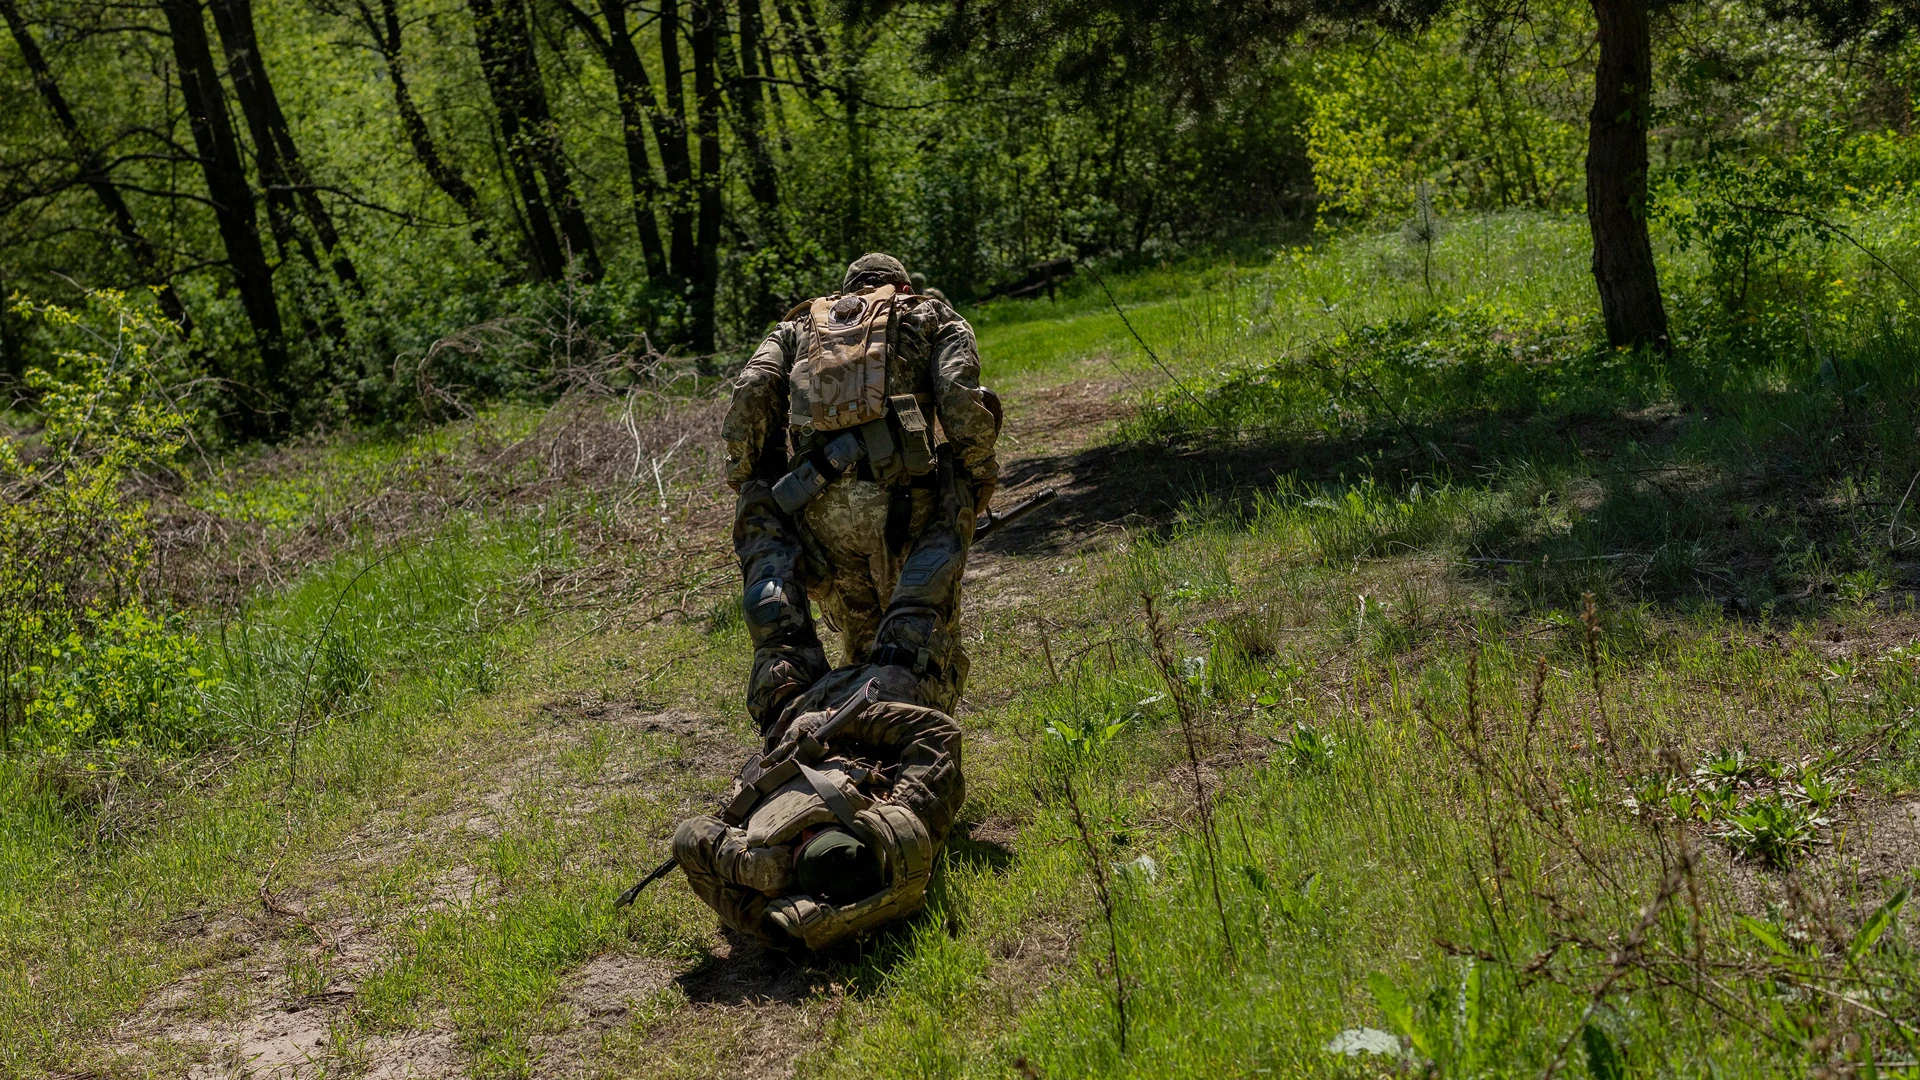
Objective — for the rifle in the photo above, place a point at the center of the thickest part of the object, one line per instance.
(992, 521)
(776, 767)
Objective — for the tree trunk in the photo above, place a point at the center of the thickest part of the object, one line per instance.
(707, 26)
(268, 124)
(502, 63)
(227, 189)
(633, 92)
(93, 171)
(796, 45)
(742, 76)
(1623, 266)
(385, 29)
(674, 157)
(743, 85)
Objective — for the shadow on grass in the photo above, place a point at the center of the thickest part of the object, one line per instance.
(1777, 505)
(753, 973)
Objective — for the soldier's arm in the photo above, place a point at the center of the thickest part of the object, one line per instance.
(924, 746)
(756, 419)
(964, 416)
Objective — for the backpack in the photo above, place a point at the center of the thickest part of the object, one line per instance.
(842, 382)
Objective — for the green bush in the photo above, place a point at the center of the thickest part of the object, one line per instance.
(132, 684)
(85, 664)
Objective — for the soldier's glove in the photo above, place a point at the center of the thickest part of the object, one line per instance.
(983, 497)
(803, 727)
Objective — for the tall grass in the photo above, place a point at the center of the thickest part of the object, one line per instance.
(362, 657)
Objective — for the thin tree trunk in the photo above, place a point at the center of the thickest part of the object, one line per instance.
(803, 61)
(707, 26)
(674, 156)
(385, 29)
(227, 189)
(93, 171)
(13, 362)
(633, 92)
(742, 75)
(501, 60)
(234, 20)
(1623, 266)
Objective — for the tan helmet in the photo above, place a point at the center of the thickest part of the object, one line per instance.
(874, 268)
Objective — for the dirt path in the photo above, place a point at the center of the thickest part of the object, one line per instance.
(280, 993)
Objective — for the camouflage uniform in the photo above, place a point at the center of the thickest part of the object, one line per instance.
(854, 538)
(920, 630)
(921, 287)
(900, 764)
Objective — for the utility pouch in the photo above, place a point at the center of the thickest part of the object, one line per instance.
(916, 436)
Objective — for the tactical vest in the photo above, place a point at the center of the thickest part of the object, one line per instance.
(841, 383)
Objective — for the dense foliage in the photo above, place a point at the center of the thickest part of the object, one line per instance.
(322, 190)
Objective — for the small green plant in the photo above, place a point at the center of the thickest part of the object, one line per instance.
(132, 684)
(1083, 736)
(1306, 749)
(1773, 831)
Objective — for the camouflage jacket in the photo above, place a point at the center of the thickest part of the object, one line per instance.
(934, 356)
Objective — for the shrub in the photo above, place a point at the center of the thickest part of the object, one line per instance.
(85, 663)
(131, 685)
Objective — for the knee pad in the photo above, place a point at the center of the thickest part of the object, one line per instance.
(927, 569)
(776, 609)
(912, 636)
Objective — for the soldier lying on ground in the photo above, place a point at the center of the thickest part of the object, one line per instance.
(835, 829)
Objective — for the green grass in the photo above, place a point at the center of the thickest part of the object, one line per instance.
(1407, 835)
(1205, 319)
(373, 653)
(1376, 864)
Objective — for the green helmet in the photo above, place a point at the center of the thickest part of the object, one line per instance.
(874, 268)
(837, 867)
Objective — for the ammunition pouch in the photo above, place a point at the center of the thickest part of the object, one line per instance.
(894, 448)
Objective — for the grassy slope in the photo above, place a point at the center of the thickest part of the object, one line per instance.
(436, 878)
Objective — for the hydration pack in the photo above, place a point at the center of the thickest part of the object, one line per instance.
(842, 383)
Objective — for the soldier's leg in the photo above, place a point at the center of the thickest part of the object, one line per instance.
(921, 628)
(848, 523)
(787, 655)
(704, 848)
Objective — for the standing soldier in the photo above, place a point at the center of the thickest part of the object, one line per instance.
(857, 381)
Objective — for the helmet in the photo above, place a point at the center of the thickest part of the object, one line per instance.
(874, 268)
(837, 867)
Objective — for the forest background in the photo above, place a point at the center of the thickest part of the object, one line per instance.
(321, 192)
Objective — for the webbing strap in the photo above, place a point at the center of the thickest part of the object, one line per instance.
(830, 794)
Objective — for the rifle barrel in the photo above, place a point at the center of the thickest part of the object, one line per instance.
(985, 526)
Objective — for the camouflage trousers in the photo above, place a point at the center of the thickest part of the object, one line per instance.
(892, 606)
(705, 847)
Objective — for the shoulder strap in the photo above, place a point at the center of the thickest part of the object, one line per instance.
(800, 309)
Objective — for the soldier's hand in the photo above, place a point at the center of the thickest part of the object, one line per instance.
(803, 725)
(983, 497)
